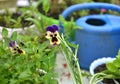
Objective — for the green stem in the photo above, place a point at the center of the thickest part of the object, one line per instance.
(77, 64)
(69, 67)
(68, 62)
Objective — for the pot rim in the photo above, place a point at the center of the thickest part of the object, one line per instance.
(98, 62)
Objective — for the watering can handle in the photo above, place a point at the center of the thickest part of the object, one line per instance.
(77, 7)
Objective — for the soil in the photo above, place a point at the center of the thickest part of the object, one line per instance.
(105, 81)
(15, 16)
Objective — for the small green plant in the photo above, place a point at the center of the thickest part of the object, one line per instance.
(112, 71)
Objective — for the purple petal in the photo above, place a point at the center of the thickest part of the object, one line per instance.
(48, 28)
(12, 43)
(55, 27)
(52, 28)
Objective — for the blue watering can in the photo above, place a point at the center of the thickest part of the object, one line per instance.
(100, 34)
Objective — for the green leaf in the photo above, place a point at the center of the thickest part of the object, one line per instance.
(111, 67)
(118, 56)
(6, 65)
(4, 32)
(4, 80)
(13, 81)
(117, 62)
(14, 35)
(72, 45)
(6, 43)
(61, 18)
(97, 78)
(46, 5)
(35, 21)
(24, 74)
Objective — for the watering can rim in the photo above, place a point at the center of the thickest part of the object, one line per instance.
(106, 28)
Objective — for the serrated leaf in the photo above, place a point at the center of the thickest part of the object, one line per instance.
(4, 32)
(117, 62)
(14, 35)
(111, 67)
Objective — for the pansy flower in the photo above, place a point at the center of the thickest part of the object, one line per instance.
(14, 47)
(53, 35)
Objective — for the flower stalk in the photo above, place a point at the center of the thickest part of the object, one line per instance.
(73, 68)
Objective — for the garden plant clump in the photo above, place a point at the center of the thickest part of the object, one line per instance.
(23, 59)
(26, 60)
(15, 19)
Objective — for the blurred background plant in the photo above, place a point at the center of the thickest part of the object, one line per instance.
(56, 7)
(12, 18)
